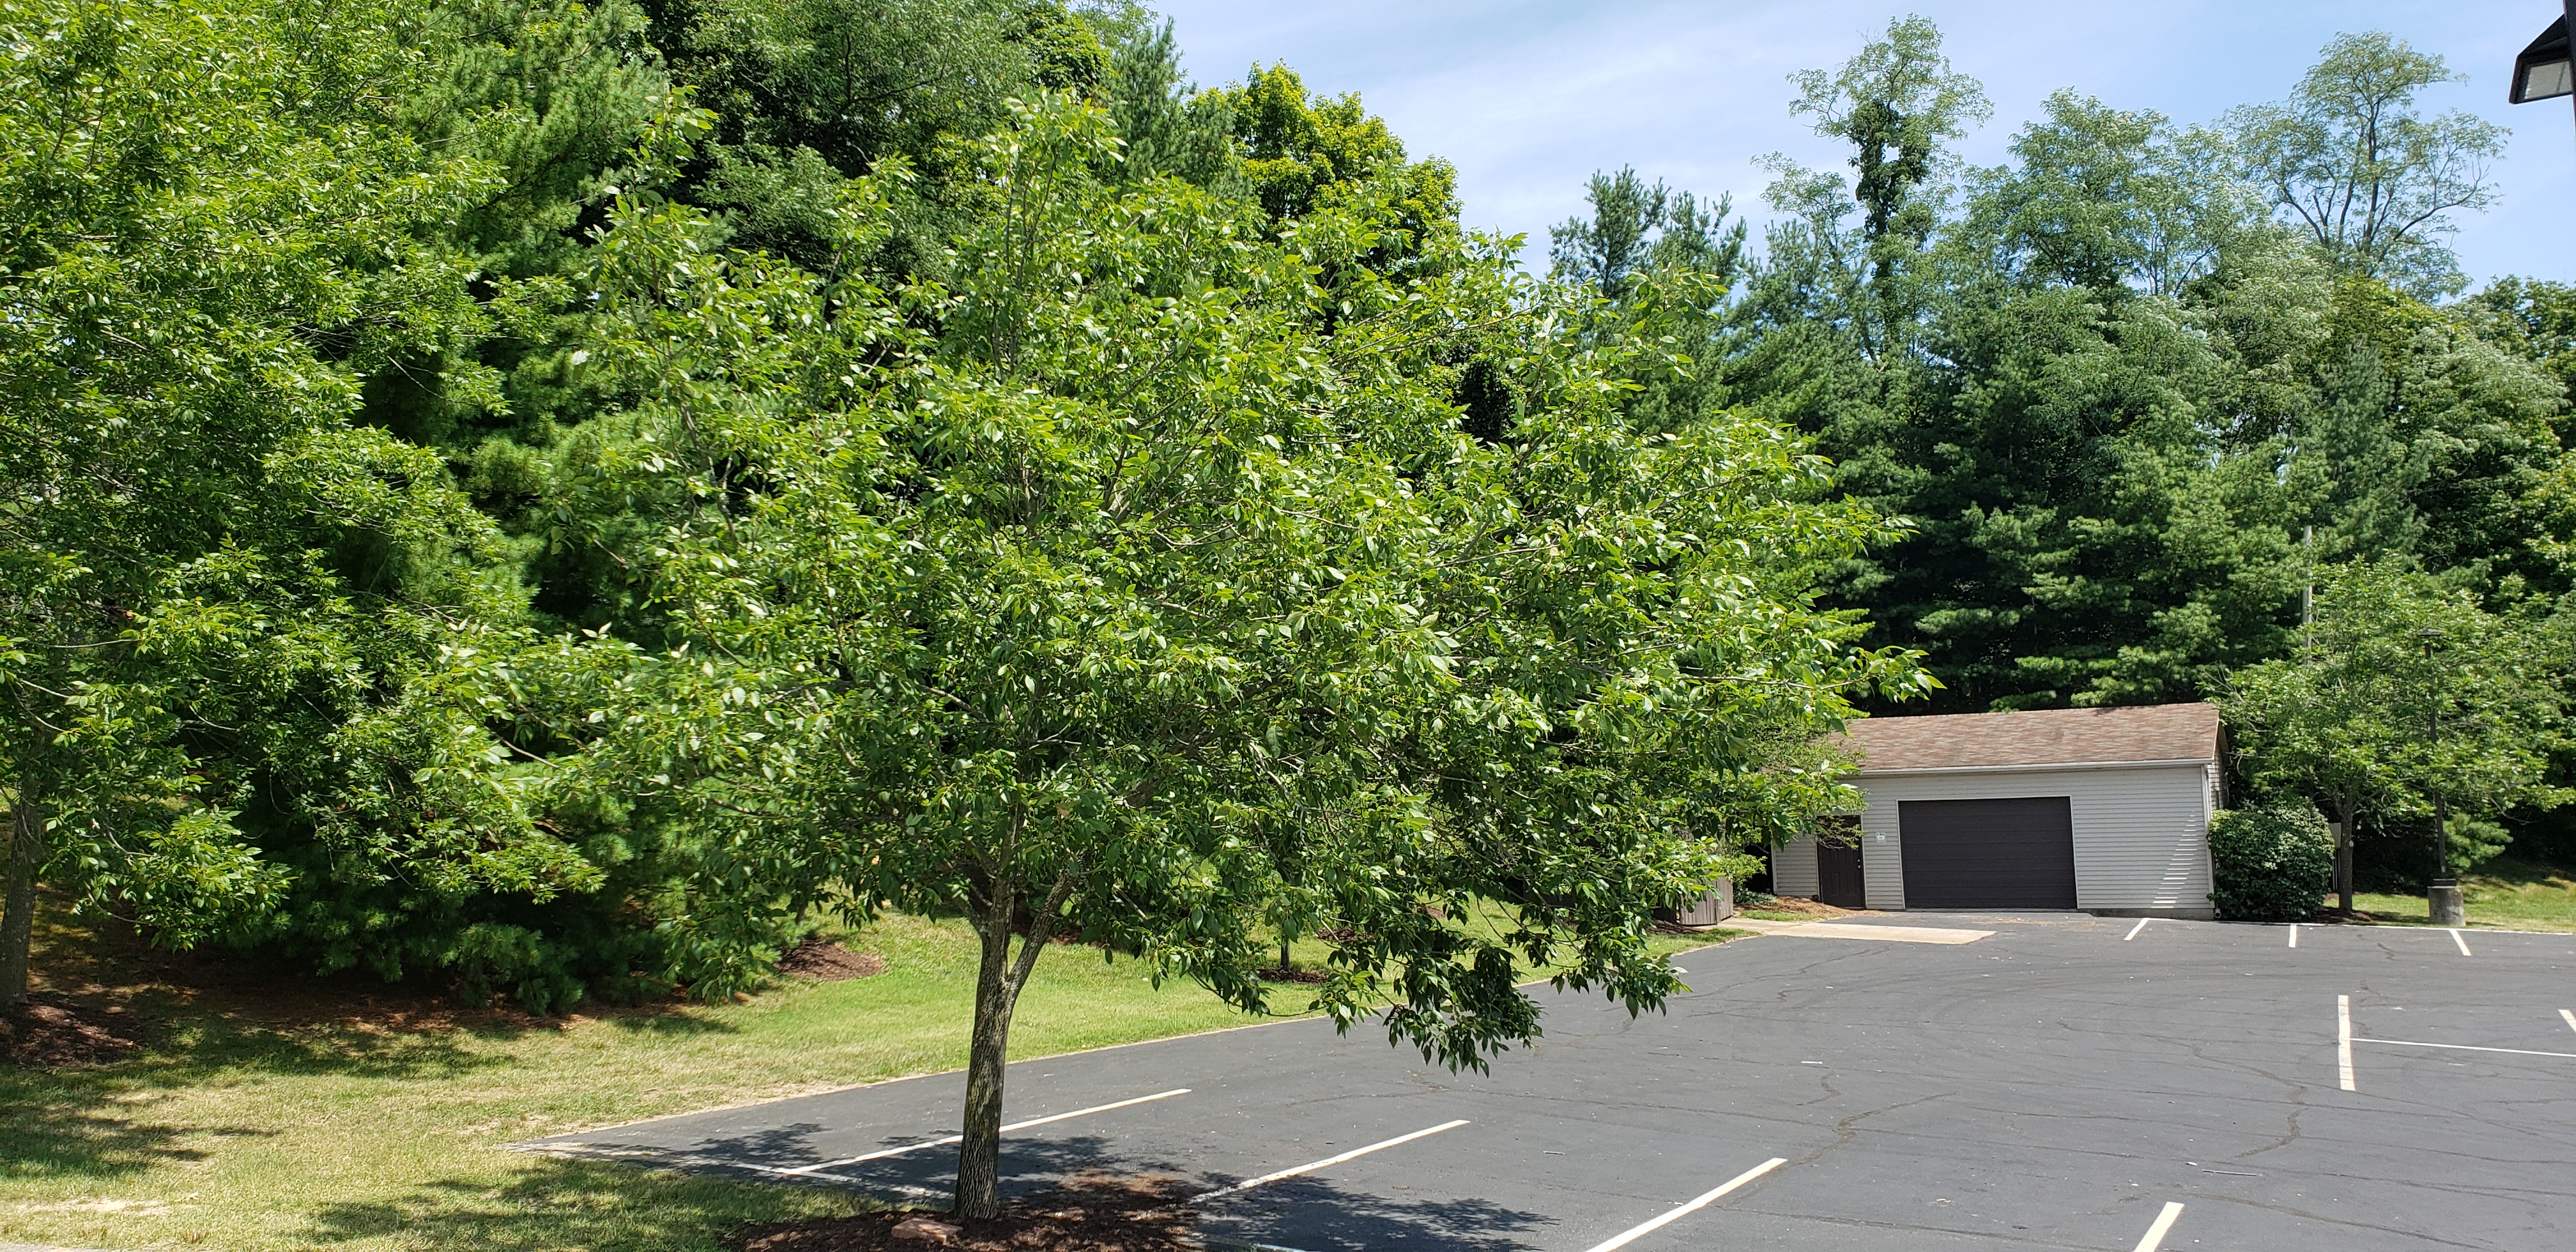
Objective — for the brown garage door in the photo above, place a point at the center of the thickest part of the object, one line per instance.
(1988, 854)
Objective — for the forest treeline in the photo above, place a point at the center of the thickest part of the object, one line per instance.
(2171, 413)
(556, 496)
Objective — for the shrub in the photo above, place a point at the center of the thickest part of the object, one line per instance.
(2270, 864)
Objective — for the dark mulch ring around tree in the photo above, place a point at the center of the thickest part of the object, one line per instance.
(1086, 1214)
(46, 1035)
(824, 961)
(1289, 973)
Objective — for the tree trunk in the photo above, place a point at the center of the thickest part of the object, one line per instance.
(18, 908)
(2345, 814)
(998, 980)
(988, 1049)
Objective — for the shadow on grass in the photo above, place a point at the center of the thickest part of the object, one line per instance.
(554, 1203)
(104, 953)
(668, 1023)
(213, 1010)
(2505, 893)
(2506, 874)
(96, 1121)
(47, 1135)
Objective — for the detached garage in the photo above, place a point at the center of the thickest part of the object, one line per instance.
(2104, 810)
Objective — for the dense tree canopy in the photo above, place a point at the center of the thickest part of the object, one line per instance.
(550, 495)
(2402, 691)
(240, 627)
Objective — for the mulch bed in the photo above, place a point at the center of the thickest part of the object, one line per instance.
(1290, 974)
(1083, 1215)
(48, 1035)
(828, 962)
(823, 961)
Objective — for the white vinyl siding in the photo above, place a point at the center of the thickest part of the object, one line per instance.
(2141, 833)
(1793, 868)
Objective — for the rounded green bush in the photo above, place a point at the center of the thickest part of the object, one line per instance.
(2270, 864)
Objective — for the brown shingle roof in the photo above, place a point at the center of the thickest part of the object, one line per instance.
(2158, 732)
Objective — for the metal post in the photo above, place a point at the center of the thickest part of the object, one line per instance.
(2442, 900)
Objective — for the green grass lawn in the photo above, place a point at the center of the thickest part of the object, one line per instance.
(249, 1126)
(2505, 895)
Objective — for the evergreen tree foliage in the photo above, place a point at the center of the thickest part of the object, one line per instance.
(245, 634)
(1165, 125)
(810, 93)
(2135, 389)
(1634, 227)
(2125, 410)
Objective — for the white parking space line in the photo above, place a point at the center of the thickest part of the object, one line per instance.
(2464, 944)
(2343, 1039)
(2462, 1047)
(1623, 1238)
(2164, 1224)
(1312, 1166)
(1890, 934)
(813, 1171)
(883, 1153)
(2571, 1018)
(2133, 930)
(2294, 934)
(872, 1184)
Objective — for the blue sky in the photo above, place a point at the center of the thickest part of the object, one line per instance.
(1528, 99)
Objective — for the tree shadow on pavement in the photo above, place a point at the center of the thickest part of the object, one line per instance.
(1312, 1209)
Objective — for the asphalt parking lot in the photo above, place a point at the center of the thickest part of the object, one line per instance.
(2062, 1081)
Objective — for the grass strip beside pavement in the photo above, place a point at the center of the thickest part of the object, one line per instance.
(2505, 895)
(249, 1129)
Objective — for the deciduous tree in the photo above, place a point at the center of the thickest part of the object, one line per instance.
(1162, 549)
(2369, 179)
(2347, 720)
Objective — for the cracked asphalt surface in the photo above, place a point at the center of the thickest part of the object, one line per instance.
(2053, 1086)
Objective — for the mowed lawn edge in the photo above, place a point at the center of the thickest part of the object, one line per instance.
(244, 1129)
(2507, 894)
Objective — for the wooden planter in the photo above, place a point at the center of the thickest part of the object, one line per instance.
(1708, 910)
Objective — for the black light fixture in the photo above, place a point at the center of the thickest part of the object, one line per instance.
(2546, 70)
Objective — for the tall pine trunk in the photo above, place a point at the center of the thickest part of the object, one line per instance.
(18, 909)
